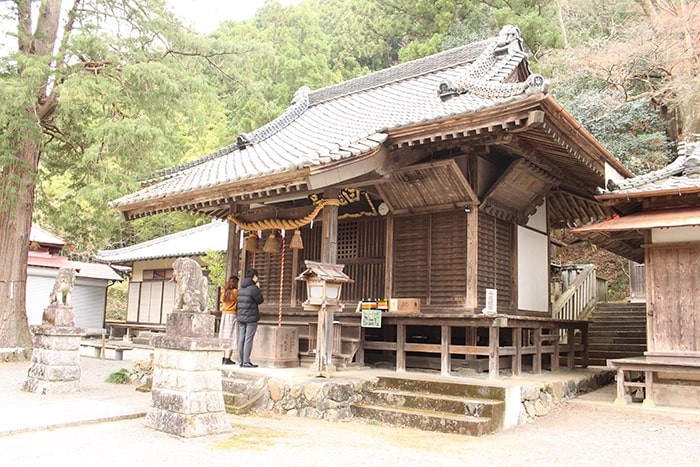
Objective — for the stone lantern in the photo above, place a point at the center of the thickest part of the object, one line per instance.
(324, 282)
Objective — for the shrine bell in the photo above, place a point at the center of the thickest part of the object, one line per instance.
(324, 282)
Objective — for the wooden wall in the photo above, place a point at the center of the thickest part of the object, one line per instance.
(497, 261)
(673, 298)
(429, 257)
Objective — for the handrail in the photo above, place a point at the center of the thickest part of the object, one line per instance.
(580, 297)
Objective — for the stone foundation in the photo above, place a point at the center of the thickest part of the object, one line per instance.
(537, 400)
(331, 400)
(325, 399)
(55, 360)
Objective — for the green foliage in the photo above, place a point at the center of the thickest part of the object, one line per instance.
(118, 377)
(117, 296)
(215, 262)
(608, 265)
(633, 131)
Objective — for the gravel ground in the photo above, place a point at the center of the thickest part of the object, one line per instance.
(573, 435)
(586, 431)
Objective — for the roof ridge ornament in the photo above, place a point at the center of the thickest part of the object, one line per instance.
(477, 81)
(687, 164)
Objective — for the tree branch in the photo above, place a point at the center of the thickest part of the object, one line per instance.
(207, 57)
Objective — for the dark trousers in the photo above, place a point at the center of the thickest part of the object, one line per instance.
(245, 340)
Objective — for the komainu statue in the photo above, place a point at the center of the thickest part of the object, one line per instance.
(191, 292)
(63, 287)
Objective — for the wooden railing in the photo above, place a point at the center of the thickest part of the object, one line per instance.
(581, 295)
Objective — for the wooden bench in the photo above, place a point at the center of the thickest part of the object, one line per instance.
(650, 366)
(100, 345)
(128, 327)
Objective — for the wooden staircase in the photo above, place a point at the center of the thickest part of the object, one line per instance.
(616, 330)
(447, 407)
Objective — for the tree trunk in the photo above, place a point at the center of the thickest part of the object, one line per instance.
(15, 226)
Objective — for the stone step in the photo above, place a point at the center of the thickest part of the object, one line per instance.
(436, 402)
(600, 358)
(621, 306)
(451, 407)
(611, 311)
(617, 322)
(241, 390)
(598, 322)
(610, 332)
(617, 344)
(614, 347)
(428, 420)
(442, 387)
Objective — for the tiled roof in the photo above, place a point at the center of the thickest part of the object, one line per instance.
(681, 175)
(44, 237)
(353, 118)
(192, 242)
(87, 270)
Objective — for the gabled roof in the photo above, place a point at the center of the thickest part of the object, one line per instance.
(350, 120)
(44, 259)
(192, 242)
(482, 93)
(623, 234)
(682, 176)
(45, 238)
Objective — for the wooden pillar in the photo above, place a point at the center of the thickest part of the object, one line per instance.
(470, 340)
(584, 342)
(233, 252)
(621, 398)
(649, 390)
(329, 228)
(472, 298)
(517, 360)
(329, 254)
(389, 255)
(554, 364)
(400, 347)
(537, 358)
(494, 350)
(445, 360)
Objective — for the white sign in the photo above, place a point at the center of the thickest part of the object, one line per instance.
(491, 301)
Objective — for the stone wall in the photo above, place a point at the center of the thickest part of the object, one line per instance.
(537, 400)
(323, 399)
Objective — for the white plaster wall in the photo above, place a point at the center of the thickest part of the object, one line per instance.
(533, 270)
(676, 234)
(538, 220)
(612, 174)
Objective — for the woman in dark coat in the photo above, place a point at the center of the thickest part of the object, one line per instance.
(249, 297)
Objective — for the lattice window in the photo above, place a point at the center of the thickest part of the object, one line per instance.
(347, 241)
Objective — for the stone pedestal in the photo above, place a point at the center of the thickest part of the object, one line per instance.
(186, 398)
(276, 347)
(55, 360)
(58, 315)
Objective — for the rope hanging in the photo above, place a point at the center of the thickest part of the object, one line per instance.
(286, 224)
(279, 306)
